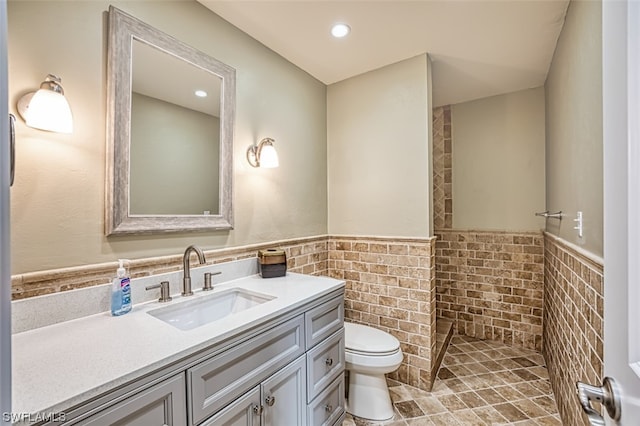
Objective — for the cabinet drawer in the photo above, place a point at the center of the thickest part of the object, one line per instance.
(328, 407)
(324, 320)
(216, 382)
(325, 362)
(162, 404)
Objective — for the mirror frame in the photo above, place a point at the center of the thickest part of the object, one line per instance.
(123, 29)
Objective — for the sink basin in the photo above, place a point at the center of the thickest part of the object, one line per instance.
(205, 310)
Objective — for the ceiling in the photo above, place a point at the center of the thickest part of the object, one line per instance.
(478, 48)
(152, 68)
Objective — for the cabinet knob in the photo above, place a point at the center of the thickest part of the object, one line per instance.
(257, 410)
(328, 408)
(270, 400)
(329, 361)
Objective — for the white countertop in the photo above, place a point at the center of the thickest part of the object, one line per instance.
(58, 366)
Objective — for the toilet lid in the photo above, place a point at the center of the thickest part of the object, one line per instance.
(369, 340)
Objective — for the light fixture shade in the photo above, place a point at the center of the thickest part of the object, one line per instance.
(263, 154)
(268, 157)
(49, 110)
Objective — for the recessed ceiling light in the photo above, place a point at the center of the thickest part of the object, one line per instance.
(340, 30)
(201, 93)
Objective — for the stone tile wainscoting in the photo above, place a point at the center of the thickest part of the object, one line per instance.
(304, 255)
(573, 318)
(390, 285)
(491, 285)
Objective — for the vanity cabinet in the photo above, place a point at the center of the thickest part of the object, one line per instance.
(287, 371)
(279, 400)
(162, 404)
(218, 381)
(307, 392)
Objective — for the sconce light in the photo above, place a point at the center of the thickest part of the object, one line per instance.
(47, 109)
(263, 155)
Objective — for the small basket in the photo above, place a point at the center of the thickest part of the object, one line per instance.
(273, 263)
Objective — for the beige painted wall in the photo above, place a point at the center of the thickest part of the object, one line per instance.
(498, 162)
(175, 154)
(574, 126)
(378, 152)
(57, 201)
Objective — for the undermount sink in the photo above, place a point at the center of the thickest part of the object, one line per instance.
(204, 310)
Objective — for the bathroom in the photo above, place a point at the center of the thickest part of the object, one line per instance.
(57, 202)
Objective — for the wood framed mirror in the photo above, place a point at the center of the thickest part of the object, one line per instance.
(170, 122)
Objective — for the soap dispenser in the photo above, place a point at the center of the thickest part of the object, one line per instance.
(120, 292)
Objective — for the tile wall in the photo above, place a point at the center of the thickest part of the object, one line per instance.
(491, 284)
(573, 318)
(390, 285)
(442, 181)
(305, 255)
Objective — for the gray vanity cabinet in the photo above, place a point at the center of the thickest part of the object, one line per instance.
(306, 392)
(284, 396)
(324, 333)
(162, 404)
(279, 400)
(218, 381)
(244, 411)
(287, 371)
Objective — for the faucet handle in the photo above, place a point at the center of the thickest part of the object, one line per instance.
(207, 280)
(164, 291)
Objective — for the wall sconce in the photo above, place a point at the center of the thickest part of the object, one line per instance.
(47, 109)
(263, 155)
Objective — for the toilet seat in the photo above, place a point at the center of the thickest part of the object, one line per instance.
(364, 340)
(365, 353)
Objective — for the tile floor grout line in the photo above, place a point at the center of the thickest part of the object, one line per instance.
(519, 393)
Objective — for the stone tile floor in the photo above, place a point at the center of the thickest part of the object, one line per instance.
(480, 382)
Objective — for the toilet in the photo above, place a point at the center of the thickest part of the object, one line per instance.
(370, 354)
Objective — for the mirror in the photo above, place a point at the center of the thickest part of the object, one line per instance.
(169, 133)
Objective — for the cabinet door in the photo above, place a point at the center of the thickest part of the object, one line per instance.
(220, 380)
(161, 405)
(245, 411)
(284, 395)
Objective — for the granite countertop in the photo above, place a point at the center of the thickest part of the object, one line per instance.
(61, 365)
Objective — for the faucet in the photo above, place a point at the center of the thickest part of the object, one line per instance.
(186, 281)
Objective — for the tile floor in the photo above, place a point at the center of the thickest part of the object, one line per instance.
(480, 382)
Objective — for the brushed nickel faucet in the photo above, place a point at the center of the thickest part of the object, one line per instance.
(186, 281)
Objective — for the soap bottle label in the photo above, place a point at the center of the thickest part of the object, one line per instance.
(125, 288)
(126, 291)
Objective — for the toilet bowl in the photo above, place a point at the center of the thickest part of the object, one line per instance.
(370, 354)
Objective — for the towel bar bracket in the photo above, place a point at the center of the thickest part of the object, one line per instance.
(547, 215)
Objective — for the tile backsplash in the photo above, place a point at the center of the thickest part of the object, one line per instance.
(304, 255)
